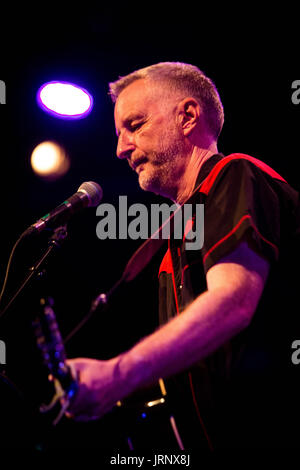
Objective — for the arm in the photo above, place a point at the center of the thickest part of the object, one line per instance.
(234, 286)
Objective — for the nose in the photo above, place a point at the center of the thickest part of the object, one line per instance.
(125, 145)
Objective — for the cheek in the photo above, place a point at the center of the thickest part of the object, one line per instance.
(156, 136)
(146, 141)
(152, 132)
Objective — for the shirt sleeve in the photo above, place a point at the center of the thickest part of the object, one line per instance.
(241, 205)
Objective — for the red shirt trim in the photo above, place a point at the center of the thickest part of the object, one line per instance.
(166, 264)
(234, 230)
(210, 179)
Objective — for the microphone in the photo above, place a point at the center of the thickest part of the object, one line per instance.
(89, 194)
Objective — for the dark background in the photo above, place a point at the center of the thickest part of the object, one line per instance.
(252, 57)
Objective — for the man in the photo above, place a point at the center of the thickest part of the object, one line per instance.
(168, 119)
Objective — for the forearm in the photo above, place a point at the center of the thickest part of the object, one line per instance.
(233, 291)
(206, 324)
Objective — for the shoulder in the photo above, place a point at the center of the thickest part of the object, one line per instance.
(238, 165)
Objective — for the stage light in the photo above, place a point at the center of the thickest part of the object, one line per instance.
(64, 100)
(49, 160)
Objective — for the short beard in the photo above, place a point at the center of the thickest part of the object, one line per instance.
(167, 163)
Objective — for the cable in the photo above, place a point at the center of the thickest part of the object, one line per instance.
(101, 300)
(209, 442)
(8, 267)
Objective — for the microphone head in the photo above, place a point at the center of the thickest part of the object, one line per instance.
(93, 191)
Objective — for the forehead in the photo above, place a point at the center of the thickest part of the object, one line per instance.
(140, 96)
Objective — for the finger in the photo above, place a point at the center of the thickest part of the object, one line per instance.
(75, 371)
(77, 364)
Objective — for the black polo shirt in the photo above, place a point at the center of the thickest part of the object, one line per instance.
(244, 394)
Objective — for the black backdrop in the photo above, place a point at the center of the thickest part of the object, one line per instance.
(251, 56)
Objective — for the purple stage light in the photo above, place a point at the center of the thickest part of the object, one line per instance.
(64, 100)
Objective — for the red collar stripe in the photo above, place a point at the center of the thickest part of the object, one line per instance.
(210, 179)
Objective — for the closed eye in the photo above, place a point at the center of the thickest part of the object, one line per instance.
(133, 126)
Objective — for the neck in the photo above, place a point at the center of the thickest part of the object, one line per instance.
(191, 171)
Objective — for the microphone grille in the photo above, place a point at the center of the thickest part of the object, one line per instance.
(93, 191)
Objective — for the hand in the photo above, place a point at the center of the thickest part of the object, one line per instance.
(100, 388)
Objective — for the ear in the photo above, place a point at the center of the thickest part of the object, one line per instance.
(189, 112)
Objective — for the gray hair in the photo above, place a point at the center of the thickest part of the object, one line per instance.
(184, 78)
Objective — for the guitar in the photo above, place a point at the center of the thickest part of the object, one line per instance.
(140, 413)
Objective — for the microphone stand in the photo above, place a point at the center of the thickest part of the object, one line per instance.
(55, 241)
(47, 332)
